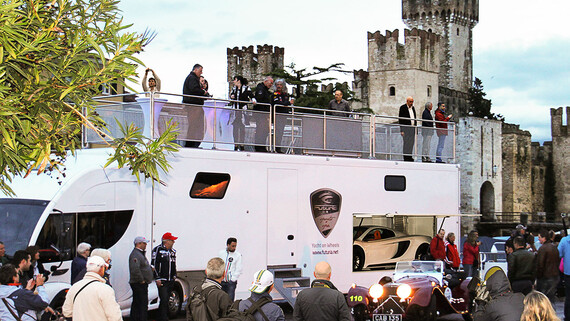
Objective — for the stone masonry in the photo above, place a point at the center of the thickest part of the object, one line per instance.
(517, 195)
(561, 159)
(254, 66)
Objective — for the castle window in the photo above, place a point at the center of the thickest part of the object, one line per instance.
(429, 91)
(458, 31)
(392, 90)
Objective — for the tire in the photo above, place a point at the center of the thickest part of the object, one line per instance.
(422, 251)
(431, 309)
(357, 259)
(56, 304)
(428, 313)
(174, 302)
(360, 313)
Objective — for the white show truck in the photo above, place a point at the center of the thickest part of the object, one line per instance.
(287, 211)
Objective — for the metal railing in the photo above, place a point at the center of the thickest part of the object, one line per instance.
(262, 127)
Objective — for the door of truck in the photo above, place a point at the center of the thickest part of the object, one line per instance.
(281, 216)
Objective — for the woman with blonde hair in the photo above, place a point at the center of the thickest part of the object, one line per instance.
(537, 307)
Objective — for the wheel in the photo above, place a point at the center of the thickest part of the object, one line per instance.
(174, 302)
(428, 313)
(431, 310)
(56, 304)
(360, 313)
(357, 259)
(422, 251)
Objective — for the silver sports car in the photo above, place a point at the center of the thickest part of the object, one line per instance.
(378, 246)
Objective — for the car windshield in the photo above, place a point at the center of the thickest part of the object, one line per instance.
(18, 218)
(358, 230)
(410, 269)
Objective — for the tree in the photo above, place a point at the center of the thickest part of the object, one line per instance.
(55, 55)
(478, 105)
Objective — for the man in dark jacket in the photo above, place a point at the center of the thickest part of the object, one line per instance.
(164, 263)
(427, 132)
(408, 124)
(195, 114)
(217, 300)
(261, 107)
(22, 261)
(260, 288)
(141, 276)
(547, 263)
(322, 301)
(504, 305)
(521, 267)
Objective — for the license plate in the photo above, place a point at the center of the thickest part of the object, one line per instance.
(386, 317)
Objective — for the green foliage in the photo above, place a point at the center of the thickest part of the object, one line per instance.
(478, 105)
(54, 56)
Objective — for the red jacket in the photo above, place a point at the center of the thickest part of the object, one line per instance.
(452, 255)
(440, 116)
(437, 248)
(470, 253)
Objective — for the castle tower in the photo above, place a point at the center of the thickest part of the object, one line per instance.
(398, 70)
(254, 66)
(453, 20)
(561, 159)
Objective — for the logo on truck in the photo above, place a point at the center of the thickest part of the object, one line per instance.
(325, 205)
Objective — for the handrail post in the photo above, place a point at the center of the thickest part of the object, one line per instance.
(272, 120)
(454, 141)
(215, 127)
(325, 131)
(372, 133)
(151, 125)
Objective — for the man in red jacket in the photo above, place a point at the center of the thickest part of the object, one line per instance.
(441, 130)
(437, 246)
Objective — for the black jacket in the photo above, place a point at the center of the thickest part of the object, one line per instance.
(164, 263)
(282, 100)
(192, 87)
(522, 265)
(242, 94)
(403, 114)
(504, 304)
(262, 95)
(139, 268)
(427, 119)
(321, 302)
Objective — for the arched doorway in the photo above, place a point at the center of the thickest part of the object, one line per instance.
(487, 199)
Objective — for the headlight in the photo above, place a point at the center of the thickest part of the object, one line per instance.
(376, 291)
(404, 291)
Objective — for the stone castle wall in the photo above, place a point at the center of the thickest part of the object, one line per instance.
(542, 179)
(517, 169)
(479, 150)
(561, 159)
(254, 66)
(398, 70)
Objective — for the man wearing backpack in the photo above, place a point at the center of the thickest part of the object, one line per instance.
(260, 289)
(322, 301)
(209, 302)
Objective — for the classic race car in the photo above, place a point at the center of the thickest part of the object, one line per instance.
(420, 290)
(378, 246)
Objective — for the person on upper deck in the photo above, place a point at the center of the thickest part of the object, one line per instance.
(242, 93)
(442, 131)
(339, 104)
(261, 107)
(193, 87)
(427, 132)
(281, 101)
(153, 84)
(408, 125)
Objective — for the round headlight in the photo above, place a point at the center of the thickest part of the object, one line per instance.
(404, 291)
(376, 291)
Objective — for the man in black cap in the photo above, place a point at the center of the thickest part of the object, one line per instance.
(140, 277)
(529, 238)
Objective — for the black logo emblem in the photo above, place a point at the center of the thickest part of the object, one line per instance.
(231, 259)
(325, 205)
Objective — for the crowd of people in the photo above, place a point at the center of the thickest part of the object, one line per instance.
(534, 273)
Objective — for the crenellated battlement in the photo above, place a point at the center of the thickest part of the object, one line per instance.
(420, 50)
(557, 124)
(465, 12)
(254, 65)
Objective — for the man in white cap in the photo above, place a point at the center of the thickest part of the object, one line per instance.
(140, 277)
(260, 303)
(90, 298)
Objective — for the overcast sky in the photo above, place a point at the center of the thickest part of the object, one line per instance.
(521, 47)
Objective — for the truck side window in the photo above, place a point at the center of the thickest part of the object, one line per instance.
(56, 240)
(210, 185)
(395, 183)
(102, 229)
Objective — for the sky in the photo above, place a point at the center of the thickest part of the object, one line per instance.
(521, 47)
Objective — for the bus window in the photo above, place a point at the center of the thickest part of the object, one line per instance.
(210, 185)
(394, 183)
